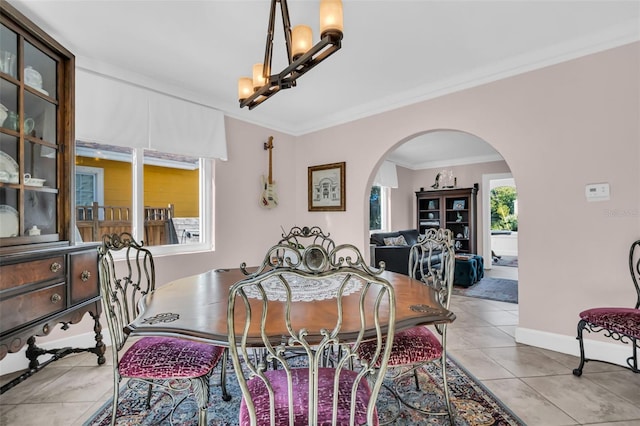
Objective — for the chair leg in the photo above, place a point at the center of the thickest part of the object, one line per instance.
(632, 361)
(445, 381)
(114, 408)
(223, 376)
(581, 325)
(149, 396)
(201, 392)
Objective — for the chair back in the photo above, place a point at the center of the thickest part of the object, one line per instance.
(124, 280)
(269, 320)
(301, 237)
(634, 268)
(432, 261)
(297, 248)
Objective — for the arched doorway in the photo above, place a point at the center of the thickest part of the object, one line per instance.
(418, 160)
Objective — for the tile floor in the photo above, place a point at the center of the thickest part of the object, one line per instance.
(536, 384)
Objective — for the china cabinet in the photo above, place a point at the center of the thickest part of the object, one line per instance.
(45, 278)
(453, 209)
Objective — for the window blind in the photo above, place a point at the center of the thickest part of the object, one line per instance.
(115, 112)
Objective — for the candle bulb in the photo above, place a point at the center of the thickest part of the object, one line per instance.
(258, 78)
(331, 17)
(245, 88)
(301, 40)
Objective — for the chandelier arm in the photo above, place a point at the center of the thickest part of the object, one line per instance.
(287, 77)
(318, 53)
(286, 26)
(331, 41)
(268, 50)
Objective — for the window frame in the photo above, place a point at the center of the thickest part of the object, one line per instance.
(385, 209)
(98, 174)
(206, 205)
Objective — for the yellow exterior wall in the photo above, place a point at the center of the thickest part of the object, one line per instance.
(163, 186)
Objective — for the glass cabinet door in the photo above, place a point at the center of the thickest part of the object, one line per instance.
(30, 178)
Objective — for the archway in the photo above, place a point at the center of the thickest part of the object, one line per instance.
(419, 158)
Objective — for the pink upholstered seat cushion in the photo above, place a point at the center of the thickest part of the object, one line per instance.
(417, 344)
(300, 384)
(621, 320)
(166, 357)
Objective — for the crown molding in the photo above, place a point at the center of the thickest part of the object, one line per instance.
(621, 35)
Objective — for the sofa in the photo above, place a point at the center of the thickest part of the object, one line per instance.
(389, 248)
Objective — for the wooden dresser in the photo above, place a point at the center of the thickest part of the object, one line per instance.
(40, 289)
(46, 278)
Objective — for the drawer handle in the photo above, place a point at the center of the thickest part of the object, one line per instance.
(85, 275)
(55, 267)
(56, 298)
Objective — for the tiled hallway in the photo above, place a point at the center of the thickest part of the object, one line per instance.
(536, 384)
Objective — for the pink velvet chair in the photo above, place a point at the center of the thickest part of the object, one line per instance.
(153, 360)
(619, 323)
(305, 389)
(414, 348)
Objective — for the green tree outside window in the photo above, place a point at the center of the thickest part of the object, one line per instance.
(503, 216)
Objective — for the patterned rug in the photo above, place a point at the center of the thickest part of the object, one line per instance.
(500, 289)
(474, 404)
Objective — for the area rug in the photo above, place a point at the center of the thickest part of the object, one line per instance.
(511, 261)
(474, 405)
(500, 289)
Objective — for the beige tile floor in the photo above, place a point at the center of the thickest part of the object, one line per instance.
(536, 384)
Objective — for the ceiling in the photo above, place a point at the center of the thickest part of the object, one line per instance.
(394, 53)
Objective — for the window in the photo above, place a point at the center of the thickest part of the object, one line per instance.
(89, 189)
(378, 208)
(158, 197)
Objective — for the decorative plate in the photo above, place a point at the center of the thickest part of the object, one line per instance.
(9, 165)
(9, 221)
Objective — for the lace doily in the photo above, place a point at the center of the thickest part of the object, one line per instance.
(304, 289)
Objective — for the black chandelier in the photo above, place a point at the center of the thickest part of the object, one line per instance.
(301, 55)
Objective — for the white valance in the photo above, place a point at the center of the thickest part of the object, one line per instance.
(387, 175)
(114, 112)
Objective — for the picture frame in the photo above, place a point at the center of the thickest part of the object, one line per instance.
(459, 204)
(326, 187)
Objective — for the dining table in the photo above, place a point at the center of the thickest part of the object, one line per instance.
(196, 308)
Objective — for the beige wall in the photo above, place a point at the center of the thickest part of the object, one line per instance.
(558, 129)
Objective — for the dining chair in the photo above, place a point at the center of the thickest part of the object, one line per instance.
(158, 361)
(432, 261)
(619, 323)
(288, 251)
(270, 312)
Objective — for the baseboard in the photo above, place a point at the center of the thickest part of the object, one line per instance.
(613, 352)
(18, 361)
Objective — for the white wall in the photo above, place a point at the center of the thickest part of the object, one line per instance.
(558, 129)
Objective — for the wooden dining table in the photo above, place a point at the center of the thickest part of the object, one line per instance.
(195, 307)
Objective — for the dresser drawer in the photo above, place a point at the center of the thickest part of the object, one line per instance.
(83, 276)
(17, 274)
(28, 307)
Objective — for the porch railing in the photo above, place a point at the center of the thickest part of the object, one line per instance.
(94, 221)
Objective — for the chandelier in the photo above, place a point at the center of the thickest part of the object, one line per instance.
(301, 55)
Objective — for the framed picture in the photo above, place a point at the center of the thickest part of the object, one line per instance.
(326, 188)
(458, 204)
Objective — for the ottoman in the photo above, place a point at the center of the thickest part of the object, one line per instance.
(465, 273)
(469, 270)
